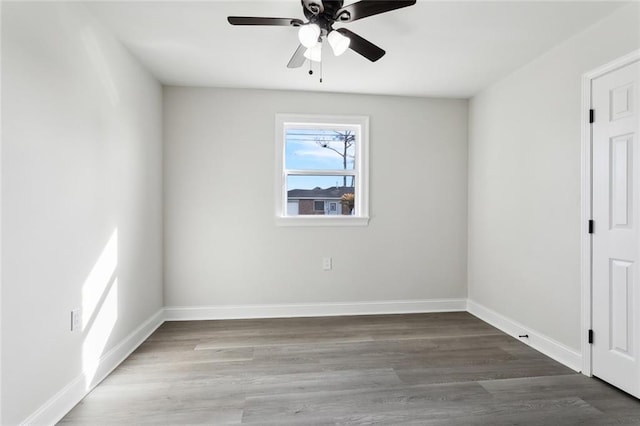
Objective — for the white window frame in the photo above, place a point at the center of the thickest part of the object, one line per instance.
(360, 215)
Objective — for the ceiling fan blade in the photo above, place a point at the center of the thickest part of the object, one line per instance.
(254, 20)
(365, 8)
(362, 46)
(298, 58)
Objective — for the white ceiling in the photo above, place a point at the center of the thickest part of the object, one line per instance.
(446, 48)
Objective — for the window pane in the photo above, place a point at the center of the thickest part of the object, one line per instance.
(320, 149)
(320, 195)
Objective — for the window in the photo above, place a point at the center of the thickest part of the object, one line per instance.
(322, 170)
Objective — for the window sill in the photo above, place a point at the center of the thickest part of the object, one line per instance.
(322, 221)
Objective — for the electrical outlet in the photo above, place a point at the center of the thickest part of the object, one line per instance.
(326, 263)
(76, 319)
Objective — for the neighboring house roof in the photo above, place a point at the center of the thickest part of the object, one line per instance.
(319, 193)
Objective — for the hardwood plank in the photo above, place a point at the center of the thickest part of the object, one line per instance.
(150, 358)
(363, 402)
(599, 395)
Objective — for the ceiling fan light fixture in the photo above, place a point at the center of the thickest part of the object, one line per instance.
(308, 35)
(338, 42)
(314, 53)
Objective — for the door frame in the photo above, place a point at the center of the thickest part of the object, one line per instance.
(587, 204)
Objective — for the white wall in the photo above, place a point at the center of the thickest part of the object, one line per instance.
(219, 147)
(1, 274)
(524, 182)
(81, 162)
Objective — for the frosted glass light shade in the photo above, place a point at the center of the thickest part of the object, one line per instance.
(308, 35)
(338, 42)
(315, 53)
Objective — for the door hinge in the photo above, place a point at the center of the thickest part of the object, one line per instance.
(592, 116)
(592, 226)
(590, 337)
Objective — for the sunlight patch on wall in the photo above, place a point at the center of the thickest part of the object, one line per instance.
(99, 308)
(95, 286)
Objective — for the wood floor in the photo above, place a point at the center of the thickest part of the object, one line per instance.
(422, 369)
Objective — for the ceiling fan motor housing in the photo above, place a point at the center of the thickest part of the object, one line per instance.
(323, 12)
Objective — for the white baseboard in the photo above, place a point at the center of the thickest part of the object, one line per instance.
(61, 403)
(538, 341)
(186, 313)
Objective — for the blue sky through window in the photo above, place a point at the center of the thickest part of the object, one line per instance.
(317, 149)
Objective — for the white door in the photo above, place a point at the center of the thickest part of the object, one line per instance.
(616, 240)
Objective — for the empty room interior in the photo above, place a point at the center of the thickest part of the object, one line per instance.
(320, 212)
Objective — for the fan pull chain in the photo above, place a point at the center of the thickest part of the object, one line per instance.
(311, 69)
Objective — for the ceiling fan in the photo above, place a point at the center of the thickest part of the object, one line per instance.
(321, 15)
